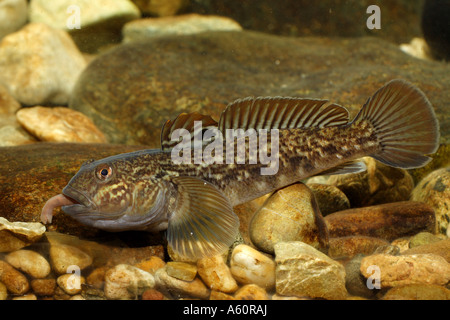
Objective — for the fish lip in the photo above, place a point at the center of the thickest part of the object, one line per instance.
(82, 203)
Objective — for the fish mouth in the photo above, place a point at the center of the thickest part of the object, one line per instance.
(81, 203)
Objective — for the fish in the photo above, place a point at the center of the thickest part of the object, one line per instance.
(192, 202)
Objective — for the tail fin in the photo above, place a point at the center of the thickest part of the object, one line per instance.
(405, 125)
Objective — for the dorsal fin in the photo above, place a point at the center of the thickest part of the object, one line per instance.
(281, 113)
(184, 121)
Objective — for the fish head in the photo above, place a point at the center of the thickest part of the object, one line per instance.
(107, 195)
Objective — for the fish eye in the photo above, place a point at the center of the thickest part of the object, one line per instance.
(103, 172)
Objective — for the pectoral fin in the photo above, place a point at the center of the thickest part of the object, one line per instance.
(203, 222)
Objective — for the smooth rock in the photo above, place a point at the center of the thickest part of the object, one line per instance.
(30, 262)
(217, 295)
(304, 271)
(418, 292)
(151, 264)
(377, 185)
(13, 15)
(40, 65)
(127, 282)
(59, 124)
(156, 78)
(16, 235)
(352, 245)
(422, 238)
(96, 278)
(71, 283)
(176, 288)
(3, 292)
(64, 256)
(14, 280)
(434, 190)
(28, 296)
(181, 270)
(440, 248)
(12, 134)
(142, 29)
(386, 221)
(251, 292)
(160, 8)
(43, 287)
(355, 283)
(407, 269)
(216, 274)
(8, 105)
(92, 24)
(249, 266)
(329, 198)
(32, 174)
(290, 214)
(152, 294)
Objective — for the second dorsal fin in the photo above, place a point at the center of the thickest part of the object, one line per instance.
(281, 113)
(184, 121)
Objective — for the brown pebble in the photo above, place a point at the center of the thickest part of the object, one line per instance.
(152, 294)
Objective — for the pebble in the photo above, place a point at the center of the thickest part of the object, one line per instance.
(124, 282)
(64, 256)
(249, 266)
(422, 238)
(3, 292)
(440, 248)
(152, 294)
(386, 221)
(151, 265)
(377, 185)
(175, 288)
(59, 124)
(417, 292)
(43, 287)
(290, 214)
(407, 269)
(96, 278)
(217, 295)
(30, 262)
(181, 270)
(8, 105)
(303, 270)
(13, 15)
(16, 235)
(142, 29)
(99, 23)
(251, 292)
(71, 283)
(216, 274)
(40, 65)
(28, 296)
(329, 198)
(352, 245)
(14, 280)
(355, 283)
(434, 190)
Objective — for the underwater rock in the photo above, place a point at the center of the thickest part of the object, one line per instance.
(142, 29)
(63, 257)
(40, 65)
(181, 270)
(440, 248)
(378, 184)
(249, 266)
(216, 274)
(91, 24)
(156, 78)
(355, 283)
(434, 190)
(417, 292)
(352, 245)
(290, 214)
(173, 287)
(386, 221)
(127, 282)
(43, 287)
(13, 15)
(422, 238)
(71, 283)
(29, 262)
(32, 174)
(217, 295)
(14, 280)
(160, 8)
(152, 294)
(407, 269)
(59, 124)
(435, 28)
(151, 264)
(8, 105)
(304, 271)
(16, 235)
(329, 198)
(3, 292)
(251, 292)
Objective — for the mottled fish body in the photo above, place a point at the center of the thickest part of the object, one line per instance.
(146, 190)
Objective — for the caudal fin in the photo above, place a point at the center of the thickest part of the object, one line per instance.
(405, 124)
